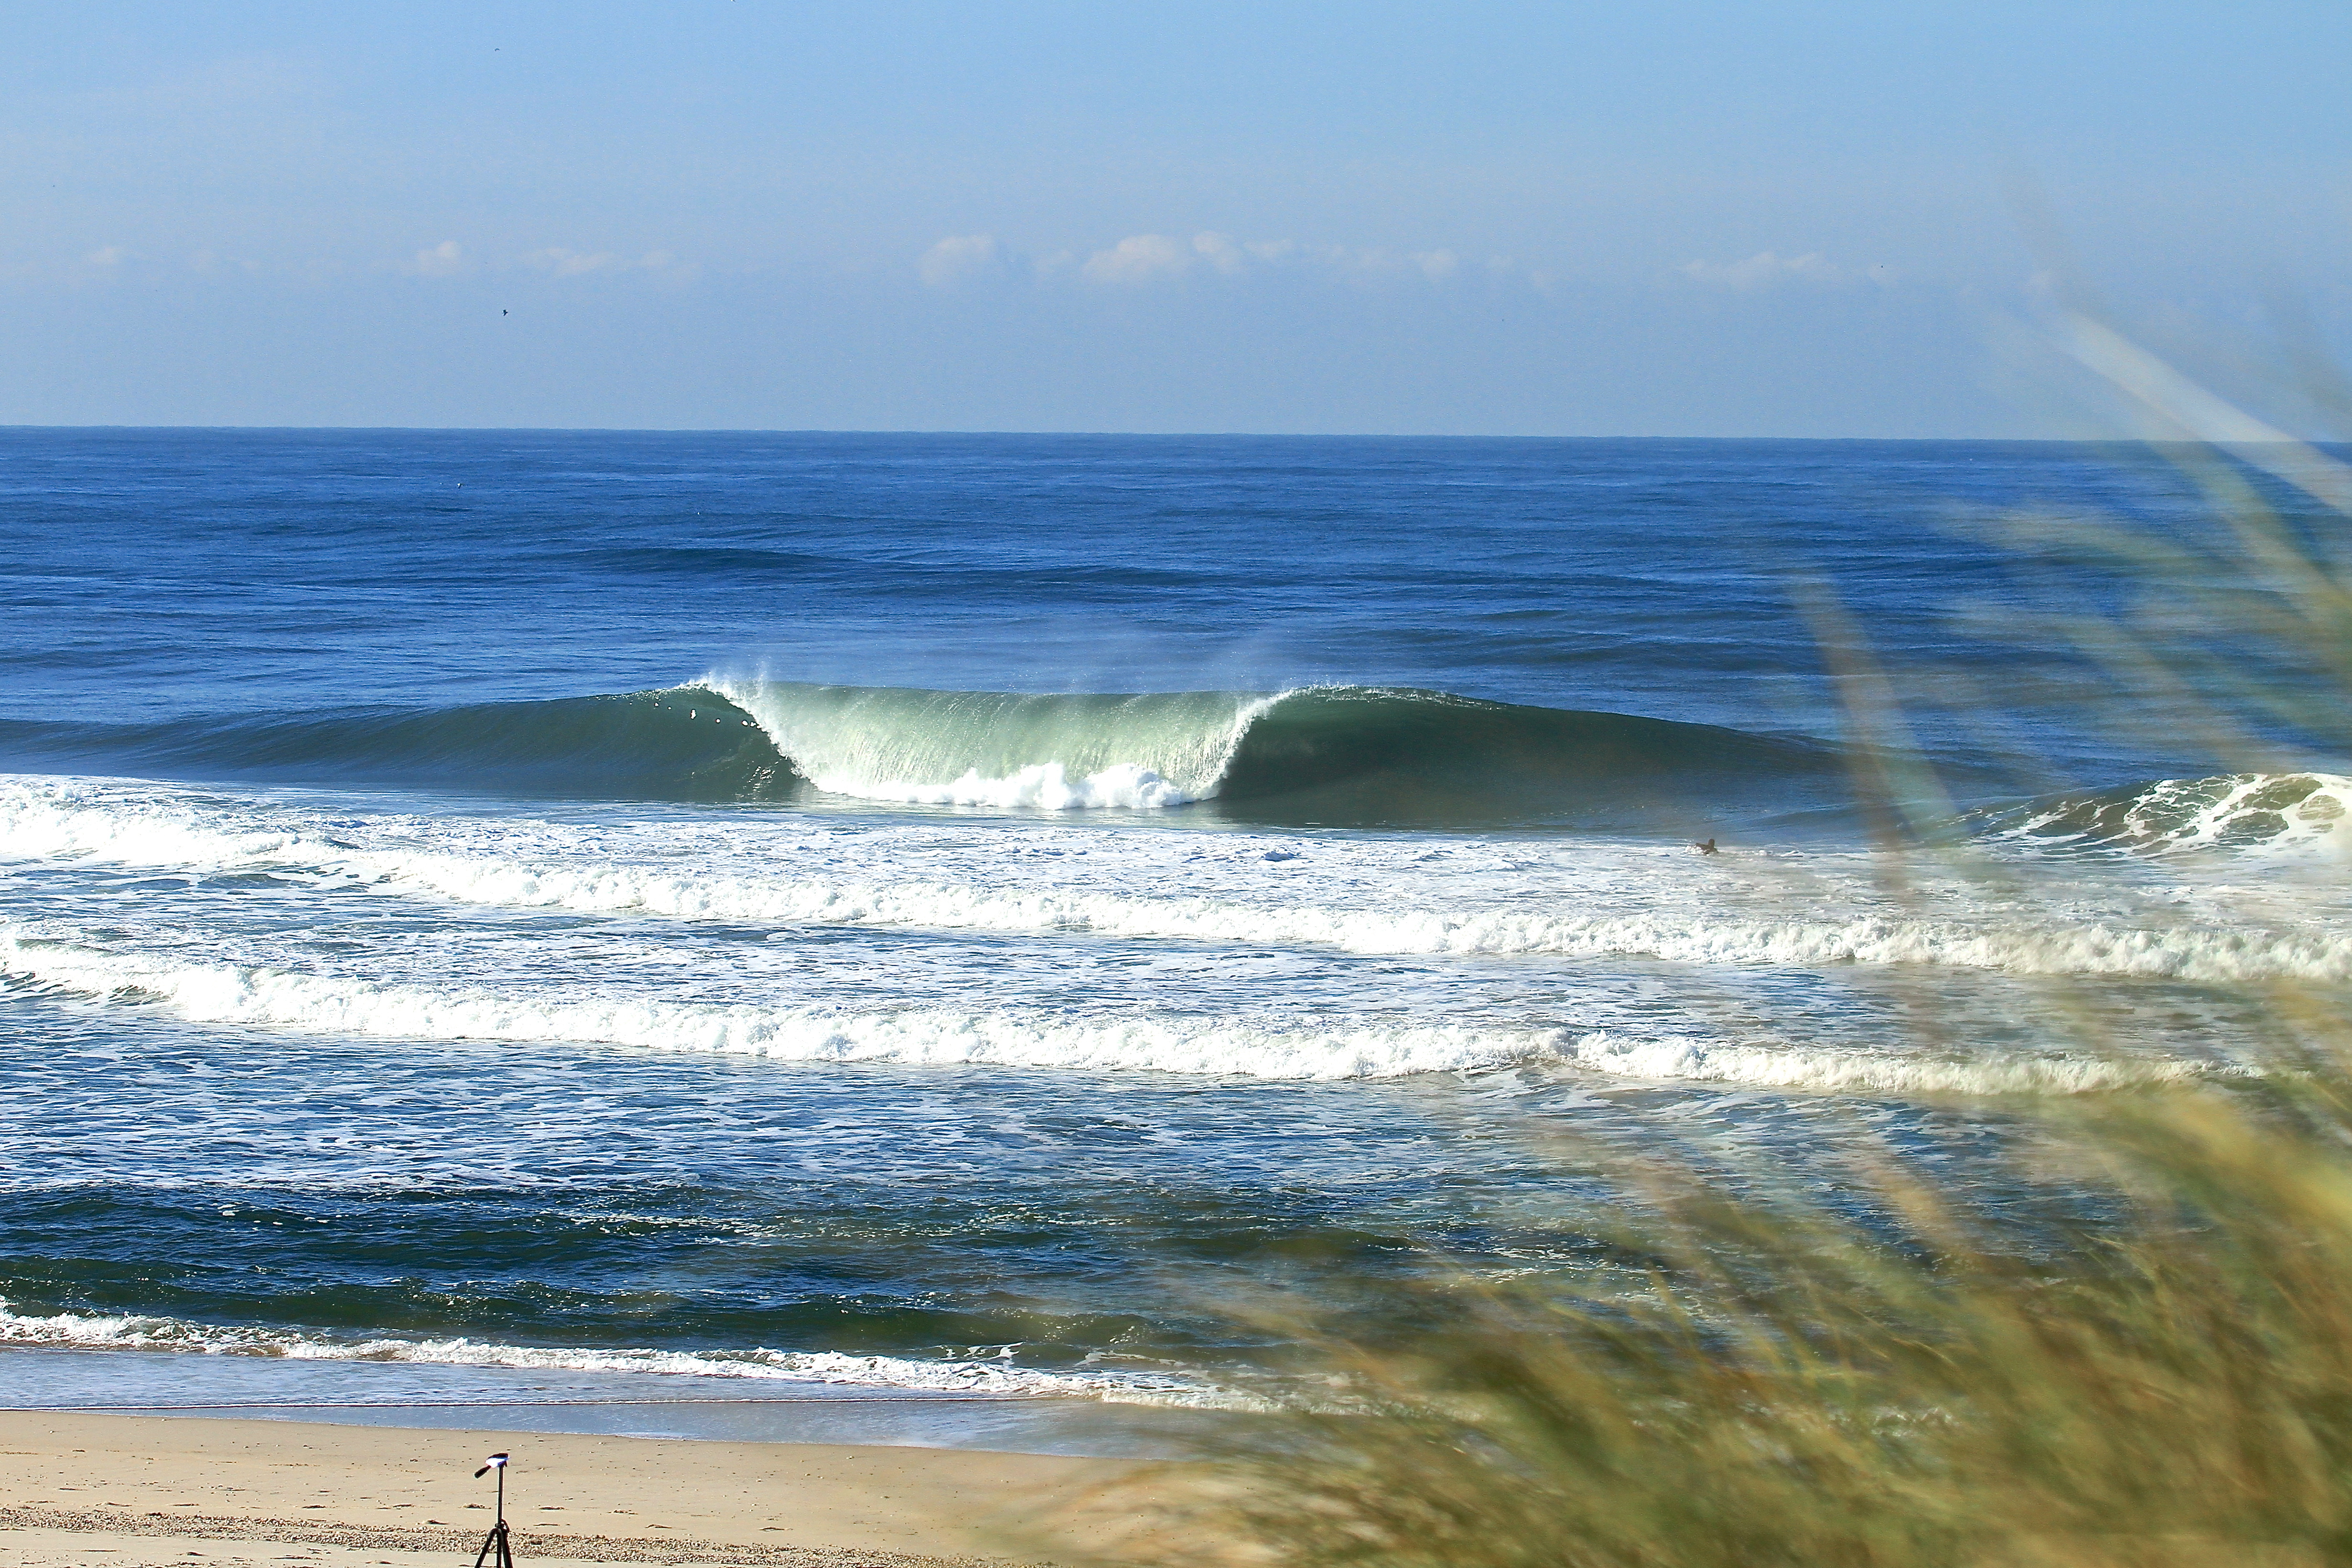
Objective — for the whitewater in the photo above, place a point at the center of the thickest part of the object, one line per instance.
(831, 912)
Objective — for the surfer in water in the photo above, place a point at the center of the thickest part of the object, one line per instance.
(1707, 848)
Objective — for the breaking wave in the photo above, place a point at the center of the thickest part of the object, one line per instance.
(2231, 810)
(1327, 753)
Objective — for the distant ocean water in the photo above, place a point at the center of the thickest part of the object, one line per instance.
(933, 913)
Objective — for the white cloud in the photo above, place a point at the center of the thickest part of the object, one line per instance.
(1220, 252)
(1435, 265)
(1148, 258)
(958, 258)
(1140, 258)
(1766, 269)
(440, 260)
(560, 261)
(107, 256)
(565, 263)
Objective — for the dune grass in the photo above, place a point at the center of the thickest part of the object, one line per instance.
(1794, 1389)
(2170, 1385)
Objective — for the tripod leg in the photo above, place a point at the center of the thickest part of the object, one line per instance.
(491, 1542)
(506, 1549)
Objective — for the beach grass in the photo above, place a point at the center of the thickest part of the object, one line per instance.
(1802, 1389)
(2163, 1378)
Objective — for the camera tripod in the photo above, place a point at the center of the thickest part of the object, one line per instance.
(498, 1548)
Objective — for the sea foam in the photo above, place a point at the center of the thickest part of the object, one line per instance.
(232, 993)
(2247, 812)
(999, 1378)
(1047, 787)
(1300, 1048)
(1002, 749)
(138, 826)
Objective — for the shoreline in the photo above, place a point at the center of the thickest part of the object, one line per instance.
(134, 1489)
(75, 1380)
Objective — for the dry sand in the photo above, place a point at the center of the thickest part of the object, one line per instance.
(129, 1491)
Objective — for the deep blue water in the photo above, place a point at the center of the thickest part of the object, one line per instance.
(161, 574)
(742, 904)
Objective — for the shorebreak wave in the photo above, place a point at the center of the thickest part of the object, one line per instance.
(997, 1379)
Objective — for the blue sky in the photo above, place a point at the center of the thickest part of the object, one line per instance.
(1566, 219)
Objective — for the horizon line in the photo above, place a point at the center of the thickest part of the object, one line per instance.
(1099, 435)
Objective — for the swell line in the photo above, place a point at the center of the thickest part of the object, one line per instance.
(1356, 753)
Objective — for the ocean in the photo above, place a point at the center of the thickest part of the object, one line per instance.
(625, 919)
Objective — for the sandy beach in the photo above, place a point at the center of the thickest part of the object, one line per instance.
(131, 1490)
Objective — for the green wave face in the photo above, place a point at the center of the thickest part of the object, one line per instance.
(1356, 753)
(679, 745)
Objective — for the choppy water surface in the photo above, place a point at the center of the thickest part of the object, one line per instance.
(944, 913)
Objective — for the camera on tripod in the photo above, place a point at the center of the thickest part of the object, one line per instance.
(498, 1548)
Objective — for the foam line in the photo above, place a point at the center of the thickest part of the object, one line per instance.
(49, 820)
(1301, 1050)
(254, 994)
(1873, 1072)
(1000, 1379)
